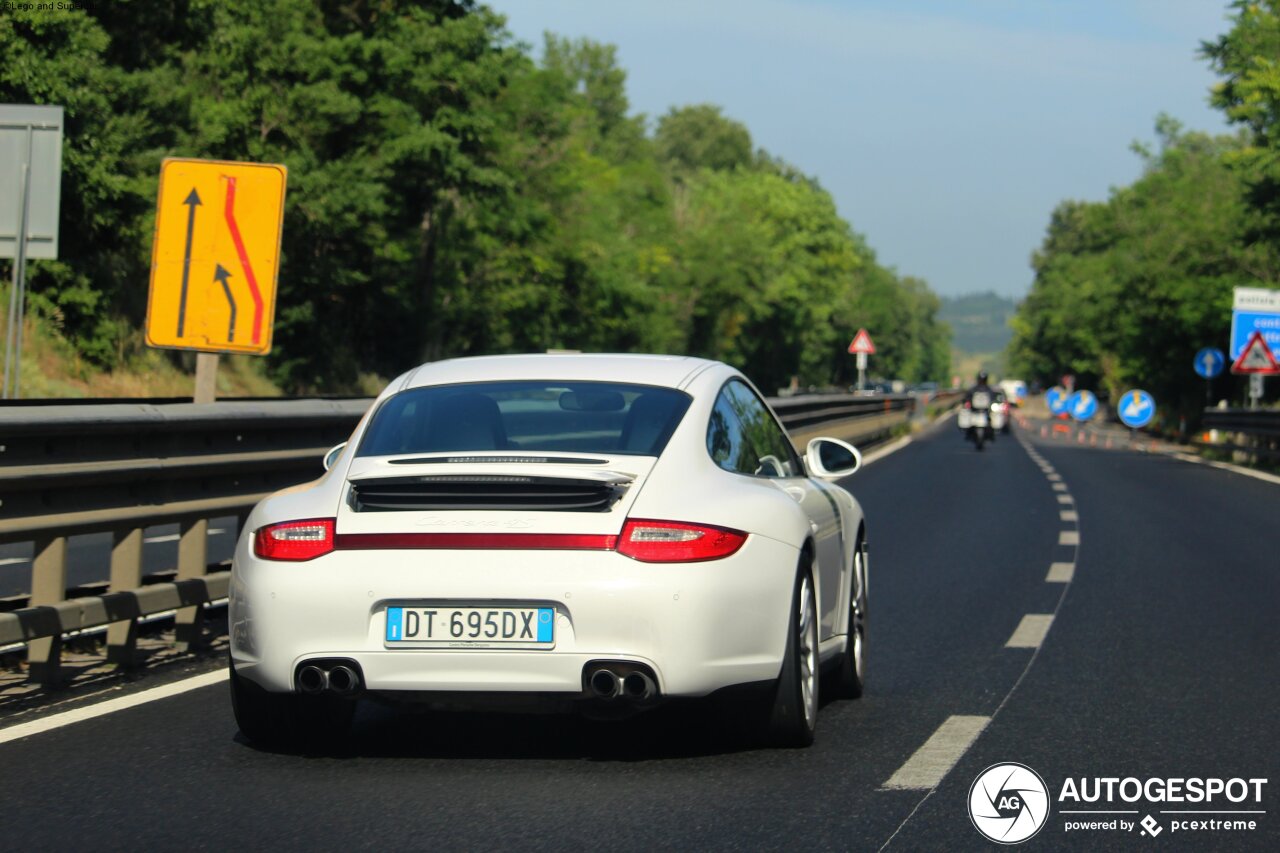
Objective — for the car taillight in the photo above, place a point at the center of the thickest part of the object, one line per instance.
(676, 542)
(294, 540)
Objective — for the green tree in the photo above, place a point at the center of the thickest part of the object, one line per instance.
(701, 137)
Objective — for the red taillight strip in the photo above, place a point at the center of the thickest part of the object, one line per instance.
(475, 541)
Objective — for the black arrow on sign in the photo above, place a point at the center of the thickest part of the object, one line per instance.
(193, 201)
(222, 275)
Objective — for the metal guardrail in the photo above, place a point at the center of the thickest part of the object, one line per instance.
(1262, 422)
(121, 467)
(67, 470)
(1261, 427)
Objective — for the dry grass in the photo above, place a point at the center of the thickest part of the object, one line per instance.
(52, 369)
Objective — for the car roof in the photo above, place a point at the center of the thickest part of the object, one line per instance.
(673, 371)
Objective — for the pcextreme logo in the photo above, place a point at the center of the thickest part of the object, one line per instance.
(1008, 803)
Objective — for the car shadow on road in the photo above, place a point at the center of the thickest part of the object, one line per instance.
(690, 729)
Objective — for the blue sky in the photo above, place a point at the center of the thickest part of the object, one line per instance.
(945, 131)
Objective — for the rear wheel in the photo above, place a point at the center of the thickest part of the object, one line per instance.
(850, 677)
(287, 720)
(791, 713)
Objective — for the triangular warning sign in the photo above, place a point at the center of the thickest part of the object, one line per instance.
(1256, 357)
(862, 343)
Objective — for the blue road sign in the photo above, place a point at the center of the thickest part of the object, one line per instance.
(1082, 405)
(1245, 323)
(1056, 398)
(1136, 408)
(1210, 362)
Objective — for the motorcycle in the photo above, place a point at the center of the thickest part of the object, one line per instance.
(977, 418)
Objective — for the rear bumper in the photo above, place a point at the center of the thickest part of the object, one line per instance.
(700, 627)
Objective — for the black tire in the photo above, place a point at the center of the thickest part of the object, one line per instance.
(978, 438)
(850, 678)
(287, 721)
(790, 713)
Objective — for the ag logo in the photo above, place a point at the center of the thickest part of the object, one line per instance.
(1008, 803)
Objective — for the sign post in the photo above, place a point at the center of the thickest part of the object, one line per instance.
(1256, 360)
(1255, 311)
(1136, 409)
(862, 346)
(1209, 363)
(215, 261)
(31, 175)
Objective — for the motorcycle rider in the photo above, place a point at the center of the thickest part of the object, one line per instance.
(980, 386)
(979, 399)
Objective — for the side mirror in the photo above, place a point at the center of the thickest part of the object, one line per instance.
(831, 458)
(332, 455)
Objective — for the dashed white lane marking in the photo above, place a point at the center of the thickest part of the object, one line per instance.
(1030, 632)
(1068, 515)
(1054, 477)
(928, 764)
(1069, 537)
(1061, 573)
(110, 706)
(1066, 499)
(1059, 487)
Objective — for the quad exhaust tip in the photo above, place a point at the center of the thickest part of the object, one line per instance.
(322, 677)
(605, 684)
(638, 686)
(621, 681)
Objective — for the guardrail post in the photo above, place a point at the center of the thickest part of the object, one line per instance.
(193, 560)
(48, 586)
(126, 574)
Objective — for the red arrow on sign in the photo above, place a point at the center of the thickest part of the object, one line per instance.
(1256, 357)
(862, 343)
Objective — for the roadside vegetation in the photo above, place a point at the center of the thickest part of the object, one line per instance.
(448, 195)
(1127, 290)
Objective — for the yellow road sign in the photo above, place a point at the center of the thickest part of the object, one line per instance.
(216, 256)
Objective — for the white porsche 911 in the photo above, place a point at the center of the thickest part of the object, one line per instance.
(598, 531)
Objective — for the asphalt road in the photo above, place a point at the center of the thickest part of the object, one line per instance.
(1161, 659)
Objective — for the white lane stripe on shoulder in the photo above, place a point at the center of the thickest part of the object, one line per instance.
(882, 452)
(1031, 631)
(77, 715)
(934, 759)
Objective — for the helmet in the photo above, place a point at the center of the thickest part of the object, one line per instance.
(982, 377)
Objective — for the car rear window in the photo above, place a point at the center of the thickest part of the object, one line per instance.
(570, 417)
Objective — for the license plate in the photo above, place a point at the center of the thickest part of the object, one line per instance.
(471, 627)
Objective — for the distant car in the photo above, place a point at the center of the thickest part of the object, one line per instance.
(575, 531)
(1015, 390)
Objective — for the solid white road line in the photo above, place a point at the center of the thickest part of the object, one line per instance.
(1030, 632)
(76, 715)
(1068, 515)
(932, 761)
(1069, 537)
(9, 561)
(882, 452)
(1061, 573)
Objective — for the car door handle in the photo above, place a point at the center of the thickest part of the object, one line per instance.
(813, 525)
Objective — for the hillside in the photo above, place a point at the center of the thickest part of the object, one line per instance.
(979, 321)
